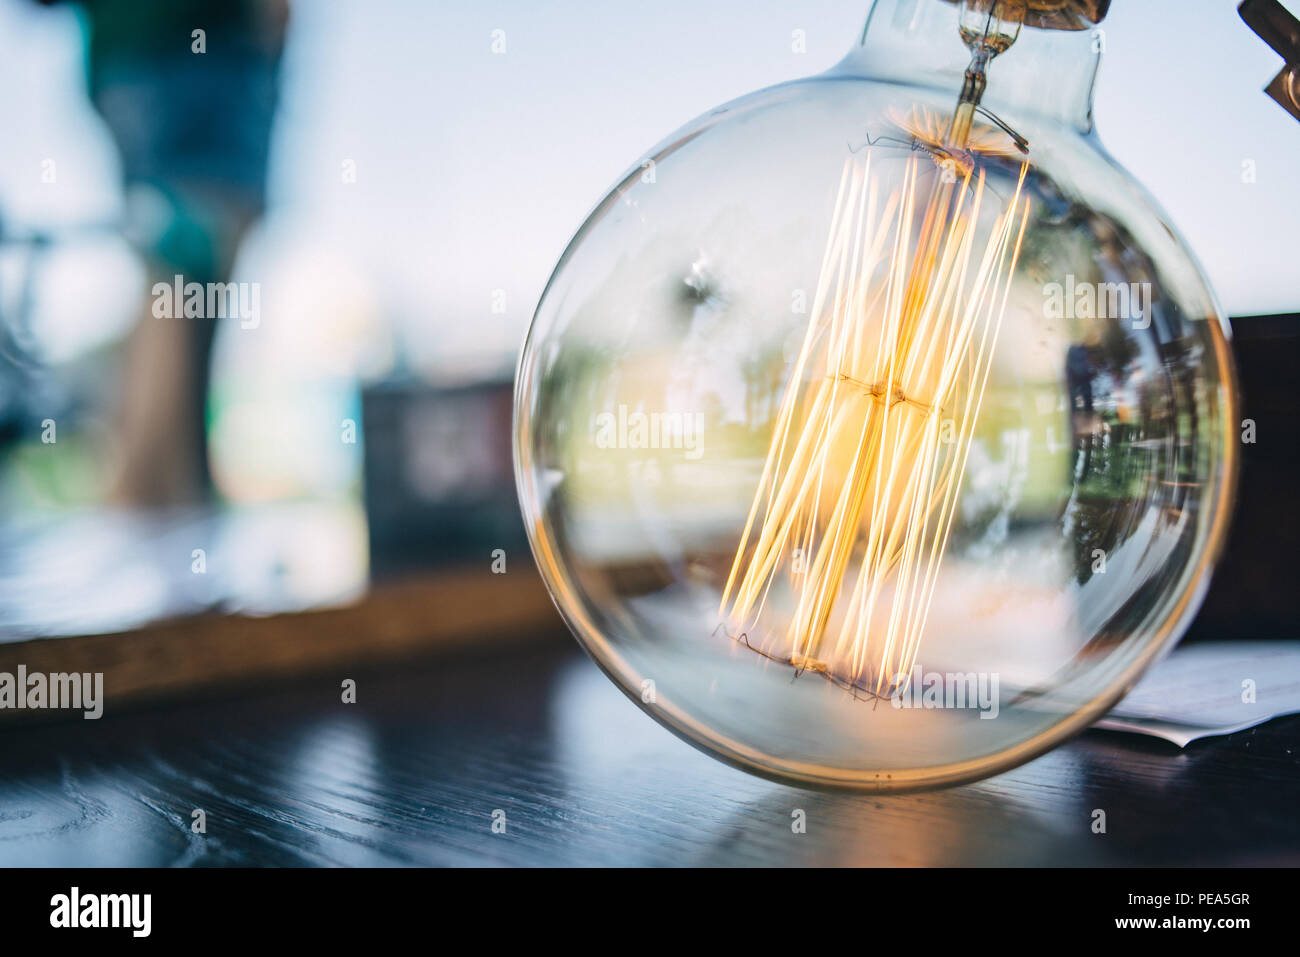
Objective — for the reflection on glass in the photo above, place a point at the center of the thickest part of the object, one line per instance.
(873, 442)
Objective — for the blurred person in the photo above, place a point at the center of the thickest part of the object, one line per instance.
(188, 90)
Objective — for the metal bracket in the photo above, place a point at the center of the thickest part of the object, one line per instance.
(1276, 27)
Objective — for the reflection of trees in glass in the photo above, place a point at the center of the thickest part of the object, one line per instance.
(763, 371)
(1125, 376)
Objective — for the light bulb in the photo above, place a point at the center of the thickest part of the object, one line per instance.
(876, 431)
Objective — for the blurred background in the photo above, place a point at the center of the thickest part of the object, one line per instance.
(389, 184)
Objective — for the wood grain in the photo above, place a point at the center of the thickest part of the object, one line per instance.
(412, 773)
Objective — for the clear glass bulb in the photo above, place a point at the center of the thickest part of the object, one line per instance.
(876, 431)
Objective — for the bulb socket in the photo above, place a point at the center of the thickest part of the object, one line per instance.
(1063, 14)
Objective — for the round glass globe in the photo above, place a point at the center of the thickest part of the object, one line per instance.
(1097, 481)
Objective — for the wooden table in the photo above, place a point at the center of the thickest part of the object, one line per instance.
(413, 772)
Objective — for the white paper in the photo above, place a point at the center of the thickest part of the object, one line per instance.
(1211, 689)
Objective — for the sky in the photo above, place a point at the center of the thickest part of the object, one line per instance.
(475, 167)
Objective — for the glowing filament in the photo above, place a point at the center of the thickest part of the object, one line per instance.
(859, 489)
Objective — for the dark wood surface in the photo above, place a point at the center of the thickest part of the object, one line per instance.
(412, 773)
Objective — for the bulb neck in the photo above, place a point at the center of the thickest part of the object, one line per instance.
(1048, 72)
